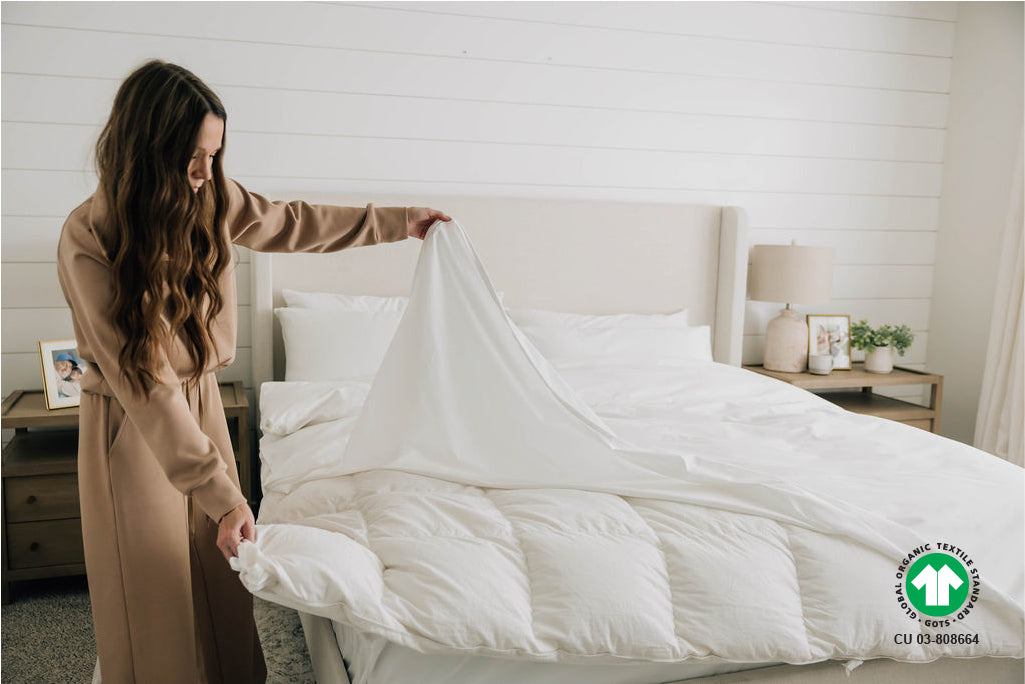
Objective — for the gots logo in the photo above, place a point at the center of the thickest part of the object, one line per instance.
(937, 583)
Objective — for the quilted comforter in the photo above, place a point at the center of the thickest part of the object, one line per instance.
(474, 498)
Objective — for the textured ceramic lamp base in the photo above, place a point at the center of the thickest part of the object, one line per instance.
(786, 343)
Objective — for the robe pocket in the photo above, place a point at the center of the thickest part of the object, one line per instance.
(117, 423)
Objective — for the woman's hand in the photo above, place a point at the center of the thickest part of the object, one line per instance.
(421, 218)
(236, 525)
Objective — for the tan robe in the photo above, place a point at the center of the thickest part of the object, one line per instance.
(166, 605)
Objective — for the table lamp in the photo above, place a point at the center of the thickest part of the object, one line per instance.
(795, 275)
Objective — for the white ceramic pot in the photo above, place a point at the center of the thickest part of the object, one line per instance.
(820, 364)
(879, 360)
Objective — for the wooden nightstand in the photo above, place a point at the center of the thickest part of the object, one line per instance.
(236, 410)
(41, 522)
(852, 390)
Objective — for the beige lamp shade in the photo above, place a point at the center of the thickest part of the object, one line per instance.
(793, 274)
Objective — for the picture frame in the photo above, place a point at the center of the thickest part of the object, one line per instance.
(62, 370)
(831, 334)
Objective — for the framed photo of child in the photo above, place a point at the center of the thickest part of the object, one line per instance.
(831, 334)
(63, 369)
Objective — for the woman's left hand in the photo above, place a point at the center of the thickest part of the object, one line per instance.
(235, 526)
(421, 218)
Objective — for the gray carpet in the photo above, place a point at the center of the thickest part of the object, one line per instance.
(47, 636)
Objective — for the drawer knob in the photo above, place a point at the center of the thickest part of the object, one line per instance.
(34, 546)
(31, 498)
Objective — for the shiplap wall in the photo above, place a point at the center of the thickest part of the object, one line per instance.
(826, 121)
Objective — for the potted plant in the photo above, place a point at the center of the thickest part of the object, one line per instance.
(880, 343)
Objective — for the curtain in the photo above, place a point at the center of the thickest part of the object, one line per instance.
(999, 423)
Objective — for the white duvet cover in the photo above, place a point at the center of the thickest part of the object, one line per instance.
(476, 499)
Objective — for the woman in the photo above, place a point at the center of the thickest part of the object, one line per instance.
(146, 267)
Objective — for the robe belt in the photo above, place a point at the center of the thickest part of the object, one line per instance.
(98, 385)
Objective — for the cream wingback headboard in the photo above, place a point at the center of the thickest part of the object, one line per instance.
(563, 255)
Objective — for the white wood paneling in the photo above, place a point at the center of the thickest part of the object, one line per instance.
(24, 327)
(826, 121)
(57, 147)
(36, 286)
(30, 238)
(34, 238)
(353, 28)
(861, 246)
(939, 11)
(253, 110)
(53, 147)
(43, 193)
(31, 285)
(46, 99)
(882, 282)
(22, 370)
(824, 212)
(56, 193)
(813, 23)
(289, 67)
(240, 368)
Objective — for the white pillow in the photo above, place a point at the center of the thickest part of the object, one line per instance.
(288, 406)
(660, 339)
(536, 317)
(333, 344)
(347, 302)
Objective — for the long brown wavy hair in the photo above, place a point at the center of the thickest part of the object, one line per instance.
(164, 234)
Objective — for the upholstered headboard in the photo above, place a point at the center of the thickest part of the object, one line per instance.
(562, 255)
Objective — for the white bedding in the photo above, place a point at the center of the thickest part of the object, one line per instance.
(476, 499)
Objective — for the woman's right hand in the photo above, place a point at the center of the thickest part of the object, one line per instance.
(419, 219)
(236, 525)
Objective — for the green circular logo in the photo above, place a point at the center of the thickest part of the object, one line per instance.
(937, 584)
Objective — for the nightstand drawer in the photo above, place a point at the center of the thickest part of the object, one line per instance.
(924, 424)
(38, 544)
(46, 497)
(42, 528)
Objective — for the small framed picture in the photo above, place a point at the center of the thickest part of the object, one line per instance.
(63, 369)
(831, 334)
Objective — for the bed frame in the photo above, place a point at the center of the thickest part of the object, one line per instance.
(580, 257)
(573, 256)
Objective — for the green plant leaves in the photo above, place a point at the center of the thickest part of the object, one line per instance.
(864, 336)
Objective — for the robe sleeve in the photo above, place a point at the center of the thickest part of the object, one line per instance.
(276, 226)
(187, 455)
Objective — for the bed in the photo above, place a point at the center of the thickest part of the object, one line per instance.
(694, 259)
